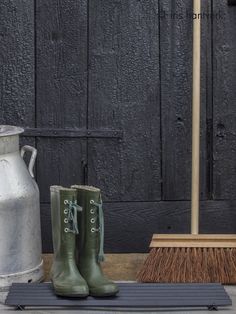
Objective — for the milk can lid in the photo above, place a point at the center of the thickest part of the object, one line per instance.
(7, 130)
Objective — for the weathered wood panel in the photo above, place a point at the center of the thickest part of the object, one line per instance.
(124, 93)
(61, 63)
(224, 96)
(17, 65)
(129, 225)
(17, 62)
(176, 96)
(61, 57)
(60, 161)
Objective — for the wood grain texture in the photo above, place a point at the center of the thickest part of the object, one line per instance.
(129, 226)
(124, 93)
(61, 89)
(176, 97)
(61, 63)
(17, 63)
(17, 66)
(224, 96)
(116, 266)
(60, 162)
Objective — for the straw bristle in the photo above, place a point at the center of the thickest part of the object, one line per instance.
(190, 265)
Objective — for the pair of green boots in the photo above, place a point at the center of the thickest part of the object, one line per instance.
(78, 238)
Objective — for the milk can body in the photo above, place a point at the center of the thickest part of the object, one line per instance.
(20, 231)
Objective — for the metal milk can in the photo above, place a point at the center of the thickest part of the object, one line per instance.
(20, 231)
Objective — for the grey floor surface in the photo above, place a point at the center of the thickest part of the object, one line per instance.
(230, 310)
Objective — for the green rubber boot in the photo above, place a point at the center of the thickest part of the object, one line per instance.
(91, 241)
(65, 276)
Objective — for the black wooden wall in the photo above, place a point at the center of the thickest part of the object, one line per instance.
(104, 90)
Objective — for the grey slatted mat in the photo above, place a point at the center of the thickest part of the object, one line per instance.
(131, 295)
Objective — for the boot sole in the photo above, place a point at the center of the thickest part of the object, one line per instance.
(69, 295)
(103, 295)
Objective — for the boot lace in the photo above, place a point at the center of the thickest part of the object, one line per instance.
(100, 229)
(71, 210)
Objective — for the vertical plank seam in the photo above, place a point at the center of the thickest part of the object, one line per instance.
(87, 100)
(208, 104)
(160, 102)
(35, 82)
(212, 107)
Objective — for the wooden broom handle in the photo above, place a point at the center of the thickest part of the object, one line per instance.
(196, 95)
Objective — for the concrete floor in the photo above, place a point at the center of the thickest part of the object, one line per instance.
(230, 310)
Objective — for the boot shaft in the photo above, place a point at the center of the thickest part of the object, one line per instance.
(66, 278)
(91, 242)
(91, 221)
(64, 210)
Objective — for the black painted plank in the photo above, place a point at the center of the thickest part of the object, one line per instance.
(61, 63)
(60, 161)
(17, 63)
(176, 96)
(129, 226)
(131, 295)
(224, 78)
(61, 89)
(124, 93)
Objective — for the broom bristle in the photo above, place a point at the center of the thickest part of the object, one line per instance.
(190, 265)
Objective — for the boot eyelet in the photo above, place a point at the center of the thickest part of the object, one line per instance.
(66, 220)
(66, 202)
(92, 220)
(92, 211)
(66, 230)
(93, 230)
(65, 211)
(92, 202)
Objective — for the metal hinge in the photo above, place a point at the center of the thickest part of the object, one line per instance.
(73, 133)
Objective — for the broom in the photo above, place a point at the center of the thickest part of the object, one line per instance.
(192, 258)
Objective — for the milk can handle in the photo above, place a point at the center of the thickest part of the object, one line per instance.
(33, 151)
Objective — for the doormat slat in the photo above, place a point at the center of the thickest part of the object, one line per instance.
(131, 295)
